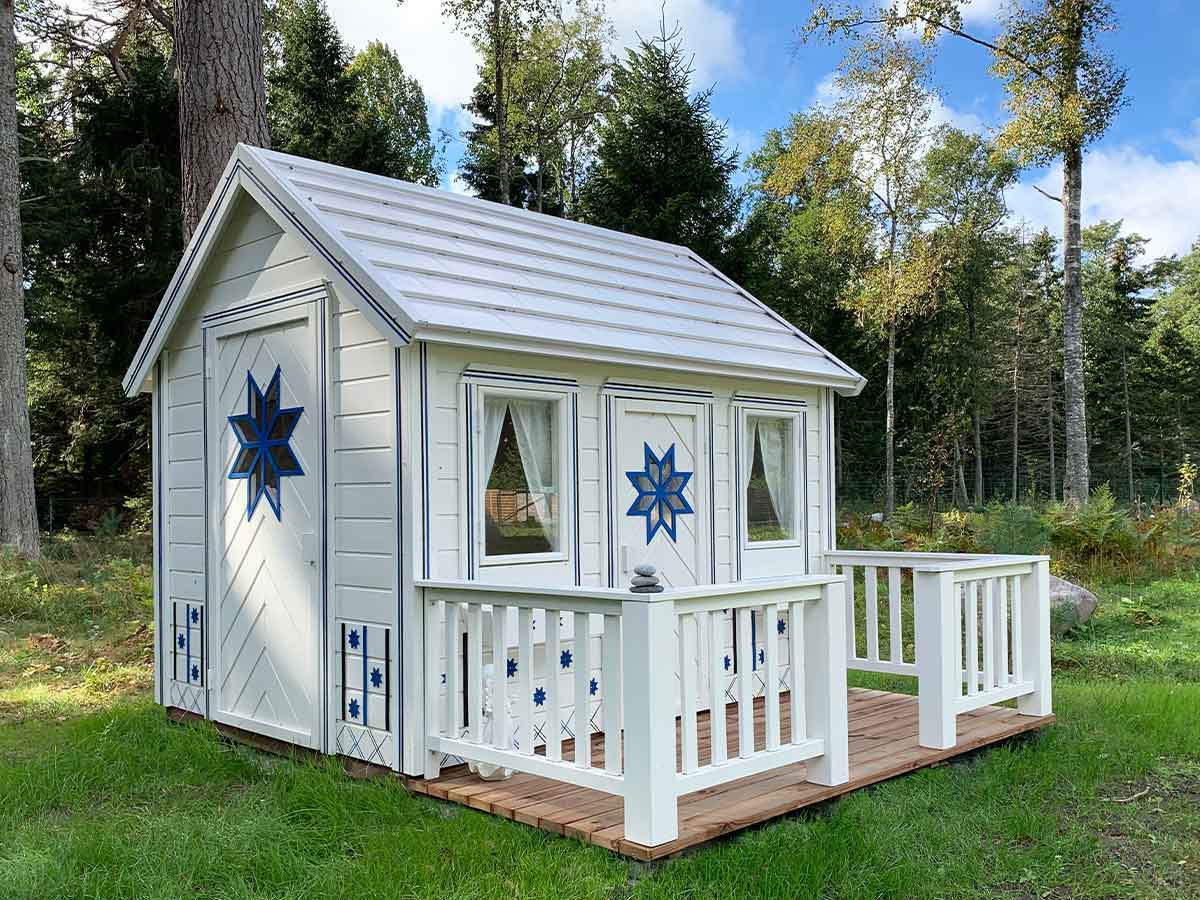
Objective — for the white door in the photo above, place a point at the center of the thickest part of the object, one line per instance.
(265, 452)
(660, 497)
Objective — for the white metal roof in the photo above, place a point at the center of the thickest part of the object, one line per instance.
(433, 265)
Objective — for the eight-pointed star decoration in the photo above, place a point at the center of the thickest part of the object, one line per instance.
(264, 432)
(660, 493)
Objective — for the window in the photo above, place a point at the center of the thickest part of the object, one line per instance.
(771, 481)
(521, 497)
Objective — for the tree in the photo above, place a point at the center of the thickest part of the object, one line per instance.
(497, 27)
(1062, 91)
(18, 511)
(393, 102)
(661, 169)
(963, 199)
(222, 94)
(480, 164)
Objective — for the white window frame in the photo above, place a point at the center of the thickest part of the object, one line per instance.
(799, 468)
(482, 471)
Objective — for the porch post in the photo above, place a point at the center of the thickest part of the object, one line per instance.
(939, 668)
(1035, 639)
(825, 693)
(648, 690)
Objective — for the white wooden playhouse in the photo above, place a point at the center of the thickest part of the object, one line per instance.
(409, 448)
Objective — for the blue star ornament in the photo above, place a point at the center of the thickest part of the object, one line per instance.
(660, 493)
(264, 432)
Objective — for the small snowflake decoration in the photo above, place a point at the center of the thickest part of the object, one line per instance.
(728, 662)
(659, 493)
(564, 659)
(264, 433)
(376, 677)
(353, 639)
(593, 687)
(180, 641)
(512, 668)
(781, 626)
(761, 655)
(539, 697)
(354, 708)
(195, 616)
(195, 672)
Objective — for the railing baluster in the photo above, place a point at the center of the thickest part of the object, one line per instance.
(453, 670)
(690, 755)
(796, 652)
(716, 679)
(552, 700)
(525, 678)
(971, 602)
(500, 736)
(871, 590)
(474, 685)
(610, 690)
(771, 674)
(895, 628)
(851, 604)
(434, 633)
(583, 680)
(1002, 678)
(989, 634)
(1016, 603)
(745, 677)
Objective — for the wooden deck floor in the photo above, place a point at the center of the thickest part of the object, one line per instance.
(883, 744)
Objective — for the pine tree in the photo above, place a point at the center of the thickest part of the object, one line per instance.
(662, 170)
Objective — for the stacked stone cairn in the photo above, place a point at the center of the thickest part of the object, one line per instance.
(645, 581)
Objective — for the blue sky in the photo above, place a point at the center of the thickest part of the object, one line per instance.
(1146, 170)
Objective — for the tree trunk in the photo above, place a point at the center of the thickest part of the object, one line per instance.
(18, 511)
(222, 94)
(502, 162)
(1016, 383)
(889, 501)
(1076, 488)
(1053, 454)
(1128, 421)
(977, 446)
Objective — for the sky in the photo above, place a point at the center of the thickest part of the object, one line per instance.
(1144, 171)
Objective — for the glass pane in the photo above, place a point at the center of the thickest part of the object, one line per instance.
(771, 488)
(521, 499)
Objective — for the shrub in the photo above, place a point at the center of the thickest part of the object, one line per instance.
(1012, 528)
(1096, 530)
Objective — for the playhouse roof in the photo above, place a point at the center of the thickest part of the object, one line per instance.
(425, 264)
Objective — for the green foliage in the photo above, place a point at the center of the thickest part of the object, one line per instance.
(658, 126)
(1012, 528)
(1094, 530)
(72, 585)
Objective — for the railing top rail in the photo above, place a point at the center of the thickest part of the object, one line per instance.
(932, 562)
(609, 595)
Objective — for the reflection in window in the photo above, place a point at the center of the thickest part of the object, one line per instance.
(521, 499)
(770, 490)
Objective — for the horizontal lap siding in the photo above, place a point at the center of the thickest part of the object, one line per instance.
(253, 258)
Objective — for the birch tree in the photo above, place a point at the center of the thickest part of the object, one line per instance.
(222, 93)
(1062, 92)
(18, 512)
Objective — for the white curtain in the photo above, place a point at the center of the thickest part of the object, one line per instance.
(494, 409)
(533, 422)
(774, 437)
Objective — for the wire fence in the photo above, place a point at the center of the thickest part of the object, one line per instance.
(102, 515)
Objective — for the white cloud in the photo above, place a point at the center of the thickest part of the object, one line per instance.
(1158, 199)
(983, 12)
(708, 31)
(440, 58)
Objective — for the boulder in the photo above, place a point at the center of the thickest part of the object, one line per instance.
(1070, 605)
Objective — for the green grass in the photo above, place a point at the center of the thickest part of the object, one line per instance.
(101, 797)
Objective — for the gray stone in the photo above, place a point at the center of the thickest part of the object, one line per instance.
(644, 580)
(648, 589)
(876, 517)
(645, 569)
(1070, 605)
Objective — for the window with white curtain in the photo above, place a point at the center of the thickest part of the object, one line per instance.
(770, 484)
(521, 497)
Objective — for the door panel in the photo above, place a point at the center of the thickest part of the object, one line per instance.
(659, 491)
(265, 446)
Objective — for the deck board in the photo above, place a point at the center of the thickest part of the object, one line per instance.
(883, 744)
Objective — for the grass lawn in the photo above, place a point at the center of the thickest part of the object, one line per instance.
(101, 797)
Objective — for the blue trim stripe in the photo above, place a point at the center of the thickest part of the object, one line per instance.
(187, 630)
(652, 389)
(575, 499)
(768, 401)
(263, 306)
(516, 377)
(468, 402)
(365, 686)
(425, 456)
(712, 494)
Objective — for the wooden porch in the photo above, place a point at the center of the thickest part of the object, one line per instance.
(883, 744)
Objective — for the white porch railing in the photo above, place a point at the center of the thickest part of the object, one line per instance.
(660, 660)
(981, 630)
